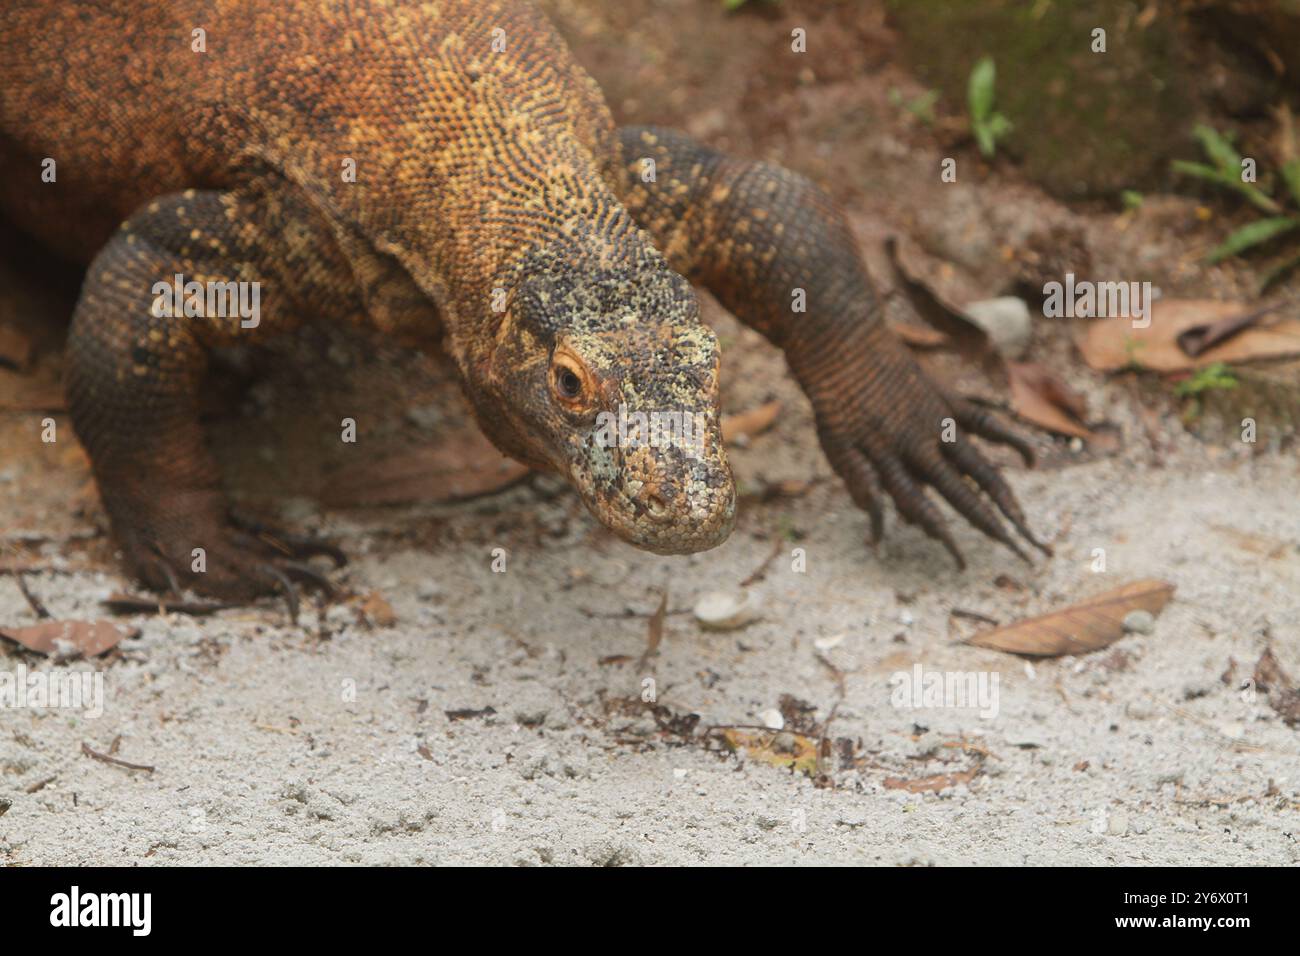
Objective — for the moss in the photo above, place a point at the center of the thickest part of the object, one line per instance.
(1085, 123)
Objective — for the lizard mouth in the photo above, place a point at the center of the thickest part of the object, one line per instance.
(663, 503)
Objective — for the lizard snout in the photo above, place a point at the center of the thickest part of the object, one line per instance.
(677, 504)
(662, 500)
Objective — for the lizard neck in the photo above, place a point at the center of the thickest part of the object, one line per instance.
(457, 158)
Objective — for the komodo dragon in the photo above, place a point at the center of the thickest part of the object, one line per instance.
(492, 205)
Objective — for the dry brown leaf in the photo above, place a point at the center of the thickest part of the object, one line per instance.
(1038, 396)
(940, 781)
(932, 289)
(376, 609)
(760, 745)
(750, 423)
(1269, 675)
(1269, 547)
(1284, 696)
(1199, 338)
(464, 466)
(68, 639)
(1111, 344)
(1080, 628)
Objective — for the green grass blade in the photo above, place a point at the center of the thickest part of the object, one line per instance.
(980, 90)
(1217, 147)
(1251, 235)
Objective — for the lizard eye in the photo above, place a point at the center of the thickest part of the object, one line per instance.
(569, 380)
(567, 383)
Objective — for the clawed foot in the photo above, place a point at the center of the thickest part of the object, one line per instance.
(239, 559)
(923, 440)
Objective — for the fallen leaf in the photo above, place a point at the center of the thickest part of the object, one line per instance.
(1038, 396)
(1197, 339)
(750, 423)
(933, 784)
(1087, 626)
(1269, 547)
(933, 290)
(376, 609)
(464, 466)
(1111, 344)
(798, 715)
(69, 639)
(1283, 695)
(761, 746)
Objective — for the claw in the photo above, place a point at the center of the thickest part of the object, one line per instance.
(864, 487)
(165, 566)
(309, 575)
(916, 508)
(979, 422)
(289, 544)
(290, 592)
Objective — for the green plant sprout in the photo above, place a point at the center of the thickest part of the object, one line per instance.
(922, 107)
(1225, 170)
(986, 123)
(1217, 377)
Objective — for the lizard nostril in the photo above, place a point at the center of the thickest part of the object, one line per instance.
(656, 505)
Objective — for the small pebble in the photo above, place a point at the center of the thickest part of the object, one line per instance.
(726, 610)
(1139, 622)
(1006, 322)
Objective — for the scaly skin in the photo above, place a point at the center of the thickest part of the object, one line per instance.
(492, 209)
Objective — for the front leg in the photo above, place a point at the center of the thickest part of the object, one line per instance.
(760, 238)
(135, 369)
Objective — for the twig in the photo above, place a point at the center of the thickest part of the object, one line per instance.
(40, 785)
(655, 630)
(105, 758)
(32, 600)
(821, 743)
(973, 616)
(760, 572)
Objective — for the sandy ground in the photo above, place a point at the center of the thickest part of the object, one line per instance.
(332, 742)
(500, 720)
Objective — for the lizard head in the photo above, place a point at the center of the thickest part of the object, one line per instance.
(609, 377)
